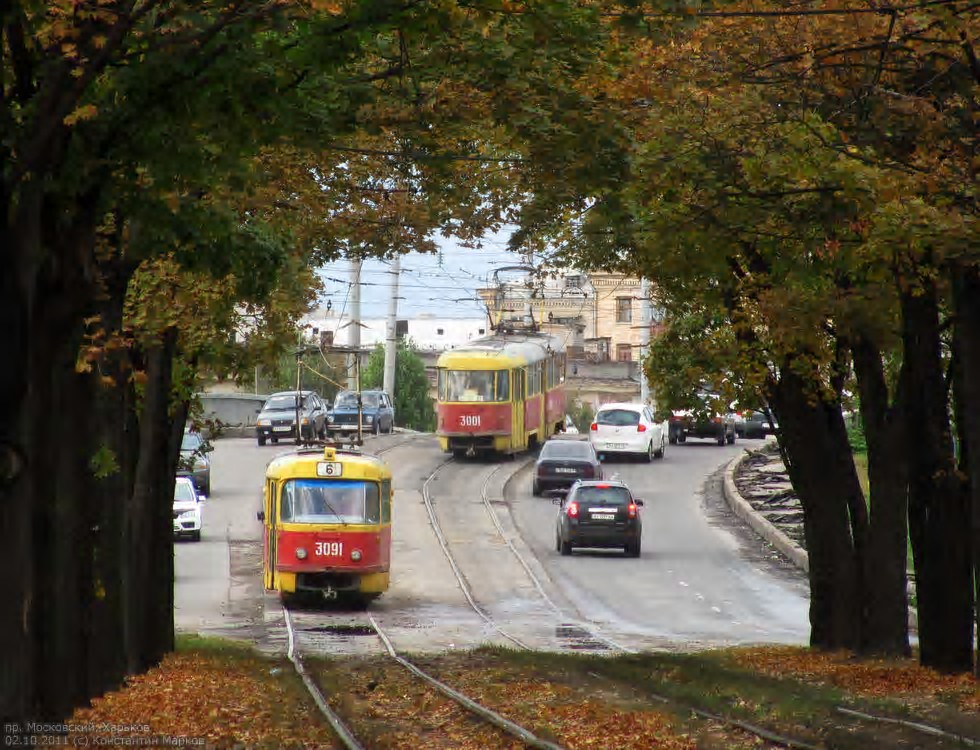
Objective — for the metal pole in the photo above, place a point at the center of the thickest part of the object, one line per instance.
(391, 339)
(645, 308)
(354, 337)
(299, 392)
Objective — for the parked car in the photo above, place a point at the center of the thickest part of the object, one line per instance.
(628, 428)
(708, 420)
(188, 518)
(562, 462)
(377, 413)
(599, 513)
(277, 418)
(194, 461)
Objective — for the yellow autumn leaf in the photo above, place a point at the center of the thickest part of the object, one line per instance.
(85, 112)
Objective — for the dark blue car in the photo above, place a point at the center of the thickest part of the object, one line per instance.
(377, 413)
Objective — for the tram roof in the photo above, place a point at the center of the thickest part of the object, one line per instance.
(506, 350)
(303, 462)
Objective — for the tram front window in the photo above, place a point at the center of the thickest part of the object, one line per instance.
(469, 385)
(330, 501)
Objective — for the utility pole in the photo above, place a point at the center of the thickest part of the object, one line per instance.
(354, 337)
(645, 308)
(391, 338)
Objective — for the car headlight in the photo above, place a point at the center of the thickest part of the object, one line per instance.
(188, 515)
(368, 418)
(300, 553)
(265, 422)
(305, 420)
(330, 417)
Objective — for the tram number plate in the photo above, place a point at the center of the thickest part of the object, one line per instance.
(328, 549)
(329, 469)
(469, 420)
(603, 516)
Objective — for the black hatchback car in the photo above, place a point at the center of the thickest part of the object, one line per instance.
(599, 514)
(562, 462)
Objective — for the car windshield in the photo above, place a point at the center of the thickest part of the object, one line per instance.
(348, 400)
(281, 403)
(191, 441)
(608, 495)
(184, 492)
(619, 417)
(330, 501)
(566, 449)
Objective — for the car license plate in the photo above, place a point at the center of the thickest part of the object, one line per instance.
(603, 516)
(566, 470)
(284, 428)
(617, 446)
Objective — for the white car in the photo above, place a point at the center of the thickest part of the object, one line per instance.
(188, 518)
(623, 428)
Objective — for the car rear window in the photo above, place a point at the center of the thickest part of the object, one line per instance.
(618, 417)
(603, 495)
(566, 449)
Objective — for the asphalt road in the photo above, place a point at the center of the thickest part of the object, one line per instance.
(700, 581)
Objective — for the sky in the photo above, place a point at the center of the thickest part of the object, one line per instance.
(443, 285)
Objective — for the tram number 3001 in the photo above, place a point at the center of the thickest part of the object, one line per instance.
(469, 420)
(328, 549)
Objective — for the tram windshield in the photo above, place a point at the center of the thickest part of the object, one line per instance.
(330, 501)
(474, 385)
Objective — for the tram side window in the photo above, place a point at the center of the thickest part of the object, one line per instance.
(503, 385)
(372, 503)
(385, 501)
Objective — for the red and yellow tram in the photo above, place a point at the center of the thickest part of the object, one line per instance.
(327, 525)
(501, 394)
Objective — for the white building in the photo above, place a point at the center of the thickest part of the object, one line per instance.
(427, 331)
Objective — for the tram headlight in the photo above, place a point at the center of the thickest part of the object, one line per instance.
(355, 555)
(300, 553)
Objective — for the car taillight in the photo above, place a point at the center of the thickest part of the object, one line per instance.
(716, 420)
(593, 427)
(573, 509)
(632, 510)
(641, 428)
(588, 471)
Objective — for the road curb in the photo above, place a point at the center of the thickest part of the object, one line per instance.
(741, 507)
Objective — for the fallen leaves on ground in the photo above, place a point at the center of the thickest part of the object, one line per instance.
(226, 701)
(870, 677)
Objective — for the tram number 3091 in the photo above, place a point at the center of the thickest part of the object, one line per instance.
(469, 420)
(328, 549)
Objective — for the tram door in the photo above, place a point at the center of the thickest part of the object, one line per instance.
(271, 527)
(518, 438)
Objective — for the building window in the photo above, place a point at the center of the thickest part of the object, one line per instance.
(624, 309)
(481, 331)
(438, 332)
(624, 353)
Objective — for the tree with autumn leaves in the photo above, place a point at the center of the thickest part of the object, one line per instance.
(801, 187)
(172, 173)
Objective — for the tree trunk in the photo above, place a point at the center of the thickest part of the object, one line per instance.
(823, 475)
(885, 630)
(966, 298)
(17, 616)
(939, 518)
(148, 576)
